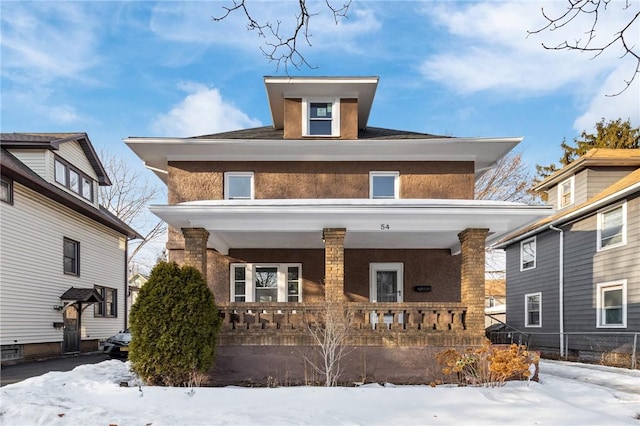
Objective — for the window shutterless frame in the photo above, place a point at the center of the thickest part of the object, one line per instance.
(384, 185)
(6, 190)
(533, 310)
(611, 304)
(528, 254)
(238, 186)
(73, 179)
(321, 117)
(566, 192)
(71, 257)
(612, 227)
(266, 282)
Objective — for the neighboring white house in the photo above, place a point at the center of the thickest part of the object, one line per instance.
(63, 257)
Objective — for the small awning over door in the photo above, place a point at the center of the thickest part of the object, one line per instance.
(82, 295)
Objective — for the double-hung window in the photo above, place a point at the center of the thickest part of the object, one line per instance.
(109, 305)
(384, 185)
(71, 256)
(238, 186)
(565, 192)
(266, 282)
(612, 227)
(321, 117)
(6, 191)
(533, 310)
(611, 302)
(528, 254)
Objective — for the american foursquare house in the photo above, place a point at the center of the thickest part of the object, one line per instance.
(63, 257)
(321, 207)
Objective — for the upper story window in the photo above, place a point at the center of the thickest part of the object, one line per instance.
(612, 227)
(528, 254)
(565, 192)
(238, 186)
(533, 310)
(6, 190)
(321, 117)
(71, 255)
(612, 304)
(384, 185)
(73, 179)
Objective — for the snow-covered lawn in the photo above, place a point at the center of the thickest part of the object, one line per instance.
(568, 394)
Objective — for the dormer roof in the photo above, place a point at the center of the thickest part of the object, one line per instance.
(594, 157)
(361, 88)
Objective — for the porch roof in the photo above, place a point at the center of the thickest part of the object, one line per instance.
(371, 224)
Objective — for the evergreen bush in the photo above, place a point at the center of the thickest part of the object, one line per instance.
(174, 325)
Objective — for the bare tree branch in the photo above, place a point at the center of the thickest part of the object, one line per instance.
(509, 180)
(128, 198)
(626, 37)
(282, 47)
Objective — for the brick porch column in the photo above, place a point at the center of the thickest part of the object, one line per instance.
(472, 268)
(195, 248)
(334, 264)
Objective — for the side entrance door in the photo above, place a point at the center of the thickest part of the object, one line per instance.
(386, 284)
(71, 333)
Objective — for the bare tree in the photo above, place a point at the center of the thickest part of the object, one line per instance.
(330, 330)
(128, 198)
(281, 46)
(509, 180)
(626, 38)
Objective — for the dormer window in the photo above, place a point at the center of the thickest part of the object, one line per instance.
(73, 179)
(322, 117)
(565, 192)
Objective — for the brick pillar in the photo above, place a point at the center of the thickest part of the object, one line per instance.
(195, 248)
(334, 264)
(472, 268)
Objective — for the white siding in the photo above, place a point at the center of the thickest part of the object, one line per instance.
(31, 273)
(36, 160)
(73, 153)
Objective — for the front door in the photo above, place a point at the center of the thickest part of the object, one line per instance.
(71, 335)
(386, 286)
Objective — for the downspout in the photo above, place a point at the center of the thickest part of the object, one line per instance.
(126, 281)
(560, 286)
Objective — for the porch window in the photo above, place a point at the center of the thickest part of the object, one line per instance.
(238, 186)
(612, 304)
(612, 227)
(71, 257)
(565, 192)
(266, 282)
(384, 185)
(533, 310)
(528, 254)
(108, 307)
(321, 117)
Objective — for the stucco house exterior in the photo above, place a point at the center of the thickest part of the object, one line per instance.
(573, 279)
(320, 207)
(63, 257)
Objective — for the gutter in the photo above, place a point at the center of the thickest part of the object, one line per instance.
(560, 287)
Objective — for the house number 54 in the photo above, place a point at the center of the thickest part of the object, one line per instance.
(384, 226)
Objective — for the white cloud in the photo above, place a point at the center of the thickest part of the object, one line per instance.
(63, 114)
(201, 112)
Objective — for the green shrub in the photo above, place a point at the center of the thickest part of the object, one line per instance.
(174, 325)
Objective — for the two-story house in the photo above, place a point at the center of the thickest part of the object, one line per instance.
(573, 279)
(63, 257)
(320, 207)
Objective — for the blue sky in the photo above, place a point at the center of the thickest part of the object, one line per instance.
(142, 68)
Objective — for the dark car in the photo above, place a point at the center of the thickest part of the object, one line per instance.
(117, 346)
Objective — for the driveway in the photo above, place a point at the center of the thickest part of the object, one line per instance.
(18, 372)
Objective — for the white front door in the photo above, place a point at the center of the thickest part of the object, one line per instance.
(386, 286)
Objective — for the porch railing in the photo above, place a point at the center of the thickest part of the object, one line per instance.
(425, 316)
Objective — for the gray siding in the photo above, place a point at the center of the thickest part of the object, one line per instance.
(600, 178)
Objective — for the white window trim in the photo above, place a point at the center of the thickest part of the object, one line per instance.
(526, 310)
(611, 285)
(600, 218)
(227, 175)
(392, 266)
(535, 254)
(250, 269)
(571, 180)
(396, 184)
(335, 116)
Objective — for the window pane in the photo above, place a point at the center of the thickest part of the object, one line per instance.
(111, 302)
(293, 284)
(5, 191)
(320, 127)
(528, 254)
(612, 298)
(612, 224)
(266, 283)
(74, 181)
(87, 188)
(61, 173)
(384, 186)
(320, 110)
(98, 307)
(69, 249)
(239, 187)
(239, 274)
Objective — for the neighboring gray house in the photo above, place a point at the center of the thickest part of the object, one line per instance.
(573, 279)
(63, 257)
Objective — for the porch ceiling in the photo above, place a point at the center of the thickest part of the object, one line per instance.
(374, 224)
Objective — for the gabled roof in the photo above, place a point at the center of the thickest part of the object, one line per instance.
(628, 185)
(86, 295)
(593, 157)
(16, 170)
(52, 142)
